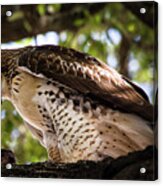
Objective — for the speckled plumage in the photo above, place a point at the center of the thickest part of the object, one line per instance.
(51, 88)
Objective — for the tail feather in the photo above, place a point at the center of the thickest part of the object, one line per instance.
(123, 133)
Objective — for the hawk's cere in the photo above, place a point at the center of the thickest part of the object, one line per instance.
(75, 105)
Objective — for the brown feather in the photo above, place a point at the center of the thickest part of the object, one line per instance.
(87, 75)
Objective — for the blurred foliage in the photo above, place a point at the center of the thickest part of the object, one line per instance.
(16, 137)
(99, 35)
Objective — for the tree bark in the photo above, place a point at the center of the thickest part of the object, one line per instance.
(123, 168)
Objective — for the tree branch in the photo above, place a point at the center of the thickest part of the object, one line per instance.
(29, 23)
(123, 55)
(123, 168)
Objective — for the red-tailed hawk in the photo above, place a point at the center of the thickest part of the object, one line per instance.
(75, 105)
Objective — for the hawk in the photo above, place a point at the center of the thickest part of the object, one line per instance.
(75, 105)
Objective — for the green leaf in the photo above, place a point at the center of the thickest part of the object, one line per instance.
(16, 16)
(79, 22)
(56, 7)
(27, 26)
(97, 18)
(41, 9)
(131, 27)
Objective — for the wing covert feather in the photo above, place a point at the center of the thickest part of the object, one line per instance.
(87, 75)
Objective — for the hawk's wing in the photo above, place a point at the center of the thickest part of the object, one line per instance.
(87, 75)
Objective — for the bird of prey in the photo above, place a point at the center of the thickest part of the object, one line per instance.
(75, 105)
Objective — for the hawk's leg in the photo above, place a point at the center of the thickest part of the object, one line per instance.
(53, 154)
(50, 140)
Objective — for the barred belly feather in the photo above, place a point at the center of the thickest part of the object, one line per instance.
(83, 132)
